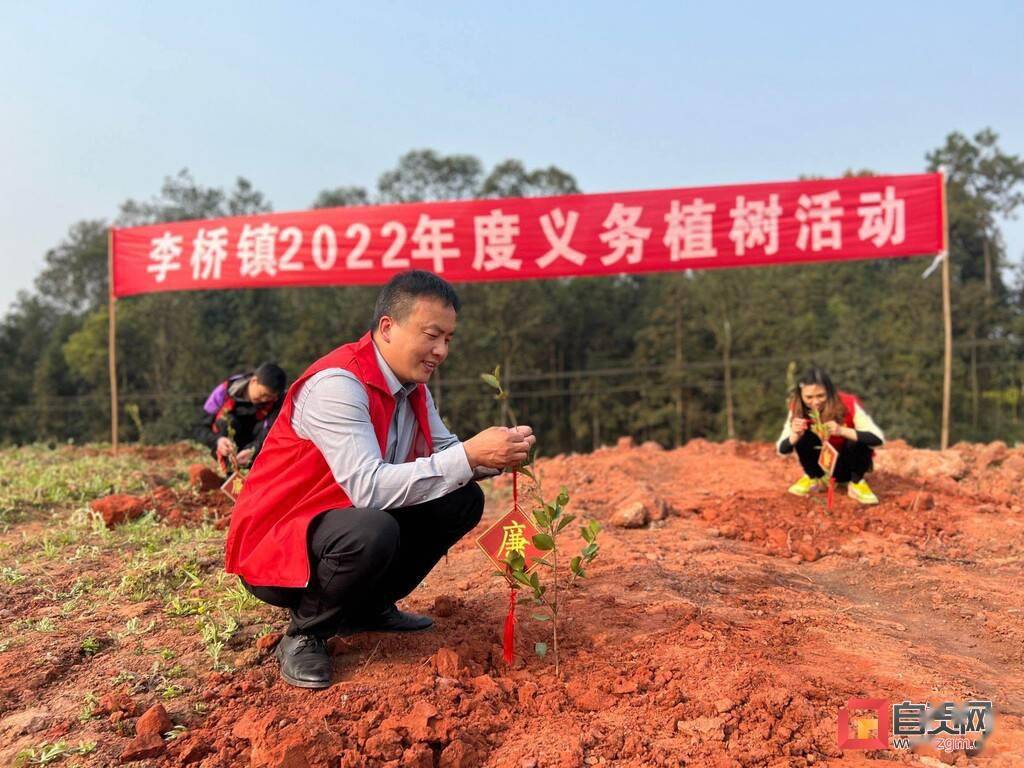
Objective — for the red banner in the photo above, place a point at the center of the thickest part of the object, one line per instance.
(543, 237)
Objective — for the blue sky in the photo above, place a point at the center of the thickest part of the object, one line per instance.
(100, 101)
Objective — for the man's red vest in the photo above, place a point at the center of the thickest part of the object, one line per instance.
(291, 483)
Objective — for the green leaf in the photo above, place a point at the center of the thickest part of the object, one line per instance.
(590, 550)
(543, 542)
(563, 497)
(541, 516)
(541, 617)
(586, 533)
(497, 371)
(522, 578)
(491, 381)
(541, 649)
(534, 580)
(574, 564)
(594, 526)
(564, 522)
(526, 473)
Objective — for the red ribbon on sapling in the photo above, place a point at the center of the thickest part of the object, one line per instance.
(508, 645)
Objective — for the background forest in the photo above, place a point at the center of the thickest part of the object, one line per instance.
(665, 357)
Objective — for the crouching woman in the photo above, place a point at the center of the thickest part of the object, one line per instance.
(844, 423)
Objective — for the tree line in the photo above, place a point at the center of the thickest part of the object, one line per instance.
(665, 357)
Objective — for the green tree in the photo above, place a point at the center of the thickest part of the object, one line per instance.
(341, 196)
(983, 184)
(74, 276)
(426, 175)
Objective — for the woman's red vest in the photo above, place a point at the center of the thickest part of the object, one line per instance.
(291, 483)
(850, 402)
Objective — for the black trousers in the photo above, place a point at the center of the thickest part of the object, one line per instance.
(362, 560)
(853, 463)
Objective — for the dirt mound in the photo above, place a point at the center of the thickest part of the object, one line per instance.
(118, 508)
(171, 507)
(203, 478)
(992, 469)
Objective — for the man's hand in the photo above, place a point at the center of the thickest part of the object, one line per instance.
(500, 447)
(226, 446)
(797, 427)
(244, 457)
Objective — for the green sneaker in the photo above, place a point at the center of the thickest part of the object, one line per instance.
(804, 486)
(862, 492)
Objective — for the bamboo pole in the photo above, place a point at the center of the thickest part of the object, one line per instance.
(947, 322)
(112, 339)
(730, 426)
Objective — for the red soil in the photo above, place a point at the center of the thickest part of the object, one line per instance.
(728, 629)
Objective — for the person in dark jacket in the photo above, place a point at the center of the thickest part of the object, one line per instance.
(237, 415)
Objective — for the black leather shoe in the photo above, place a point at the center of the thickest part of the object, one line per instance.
(304, 661)
(390, 619)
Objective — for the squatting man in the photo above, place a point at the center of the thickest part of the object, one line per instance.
(360, 488)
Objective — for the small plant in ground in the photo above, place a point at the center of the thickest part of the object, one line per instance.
(171, 691)
(187, 607)
(239, 599)
(10, 575)
(215, 637)
(83, 551)
(88, 709)
(97, 527)
(133, 627)
(90, 646)
(122, 677)
(190, 575)
(551, 519)
(81, 586)
(46, 752)
(50, 548)
(175, 732)
(214, 647)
